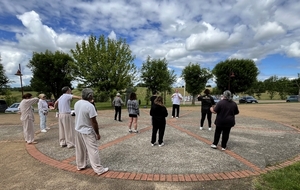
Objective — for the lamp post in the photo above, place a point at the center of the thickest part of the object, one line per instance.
(184, 93)
(231, 75)
(19, 73)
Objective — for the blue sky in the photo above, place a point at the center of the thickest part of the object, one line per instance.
(197, 31)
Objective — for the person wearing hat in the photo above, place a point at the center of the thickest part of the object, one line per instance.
(117, 102)
(226, 110)
(43, 112)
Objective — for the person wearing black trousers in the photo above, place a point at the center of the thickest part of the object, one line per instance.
(159, 113)
(117, 102)
(207, 102)
(226, 110)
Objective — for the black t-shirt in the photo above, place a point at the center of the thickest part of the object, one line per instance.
(206, 102)
(226, 111)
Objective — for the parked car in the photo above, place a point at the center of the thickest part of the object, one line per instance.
(3, 105)
(248, 99)
(50, 103)
(14, 108)
(293, 98)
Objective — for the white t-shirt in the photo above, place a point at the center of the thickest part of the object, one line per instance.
(84, 111)
(64, 102)
(176, 98)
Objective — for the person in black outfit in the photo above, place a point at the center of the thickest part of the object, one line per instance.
(226, 110)
(207, 102)
(153, 97)
(159, 113)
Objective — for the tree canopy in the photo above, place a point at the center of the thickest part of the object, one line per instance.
(156, 76)
(3, 78)
(195, 79)
(50, 72)
(104, 64)
(236, 75)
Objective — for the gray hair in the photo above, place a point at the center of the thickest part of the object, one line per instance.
(87, 94)
(227, 95)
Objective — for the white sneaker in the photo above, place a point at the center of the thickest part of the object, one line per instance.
(223, 148)
(209, 128)
(201, 128)
(177, 117)
(104, 171)
(213, 146)
(172, 116)
(152, 144)
(162, 144)
(43, 130)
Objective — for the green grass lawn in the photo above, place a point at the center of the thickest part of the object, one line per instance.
(141, 94)
(287, 178)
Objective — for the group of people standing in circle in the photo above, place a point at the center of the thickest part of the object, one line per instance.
(226, 109)
(83, 137)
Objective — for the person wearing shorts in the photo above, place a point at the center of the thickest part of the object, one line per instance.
(133, 110)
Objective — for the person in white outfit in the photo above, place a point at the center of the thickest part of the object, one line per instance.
(65, 122)
(27, 117)
(43, 112)
(87, 133)
(176, 98)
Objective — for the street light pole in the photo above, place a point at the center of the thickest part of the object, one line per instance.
(184, 93)
(19, 73)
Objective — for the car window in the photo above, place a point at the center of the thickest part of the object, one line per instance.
(14, 106)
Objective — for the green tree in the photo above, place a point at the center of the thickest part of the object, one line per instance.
(295, 86)
(104, 64)
(236, 75)
(156, 76)
(259, 88)
(195, 79)
(3, 78)
(271, 86)
(51, 72)
(283, 86)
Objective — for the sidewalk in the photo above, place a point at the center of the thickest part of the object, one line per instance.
(255, 147)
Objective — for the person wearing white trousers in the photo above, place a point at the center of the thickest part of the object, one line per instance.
(65, 122)
(87, 134)
(27, 117)
(43, 112)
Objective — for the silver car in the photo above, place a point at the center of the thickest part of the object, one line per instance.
(14, 108)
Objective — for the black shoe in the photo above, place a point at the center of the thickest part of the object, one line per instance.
(120, 120)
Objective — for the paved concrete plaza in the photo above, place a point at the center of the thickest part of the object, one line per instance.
(255, 147)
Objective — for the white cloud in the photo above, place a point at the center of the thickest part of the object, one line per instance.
(268, 30)
(36, 36)
(213, 39)
(112, 35)
(293, 50)
(180, 31)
